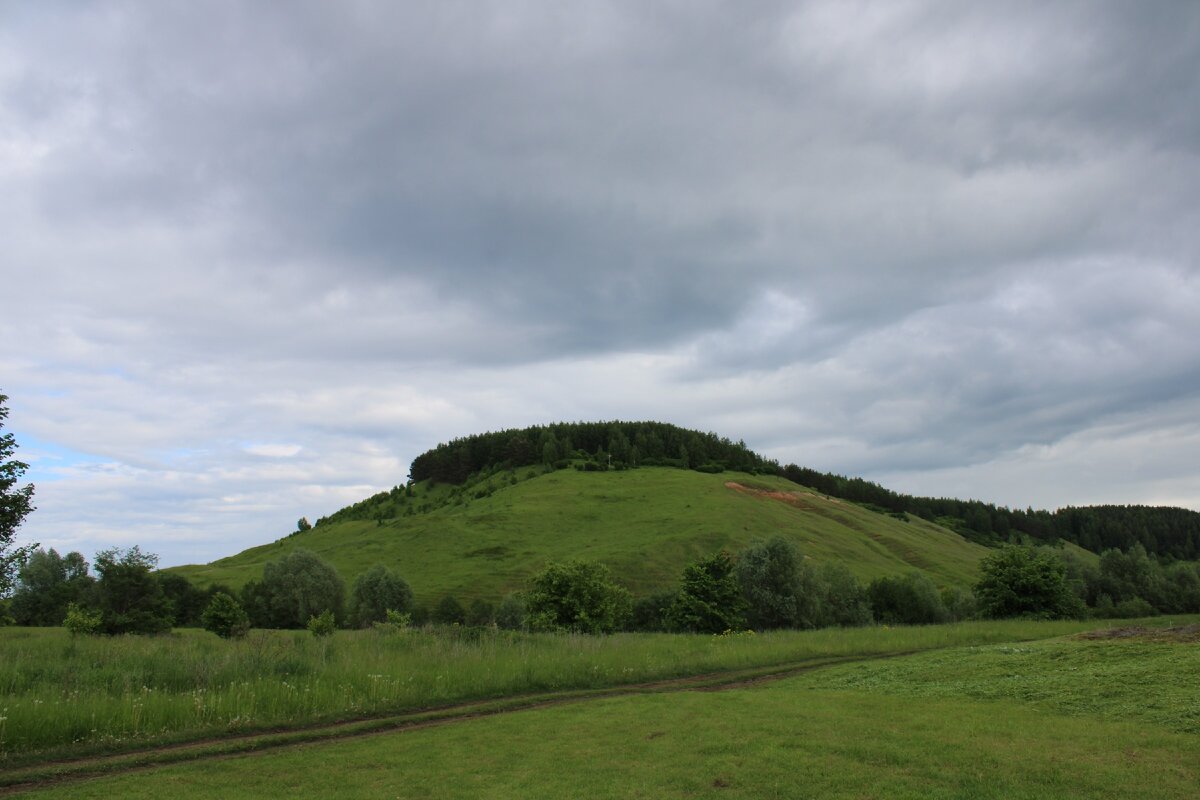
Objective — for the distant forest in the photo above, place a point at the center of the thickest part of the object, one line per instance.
(606, 444)
(1172, 533)
(1161, 530)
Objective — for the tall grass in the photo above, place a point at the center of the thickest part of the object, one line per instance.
(116, 692)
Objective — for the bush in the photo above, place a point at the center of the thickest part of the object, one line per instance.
(46, 584)
(480, 613)
(1025, 582)
(81, 620)
(650, 613)
(294, 588)
(510, 614)
(844, 600)
(375, 592)
(959, 604)
(1132, 608)
(910, 599)
(576, 595)
(131, 598)
(709, 598)
(322, 624)
(225, 617)
(395, 622)
(779, 588)
(449, 612)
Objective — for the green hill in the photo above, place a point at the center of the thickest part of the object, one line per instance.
(484, 538)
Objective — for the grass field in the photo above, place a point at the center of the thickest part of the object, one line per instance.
(1070, 717)
(646, 524)
(65, 696)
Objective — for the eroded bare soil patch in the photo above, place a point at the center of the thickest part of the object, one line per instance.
(1177, 633)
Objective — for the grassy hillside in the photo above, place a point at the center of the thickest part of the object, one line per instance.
(646, 524)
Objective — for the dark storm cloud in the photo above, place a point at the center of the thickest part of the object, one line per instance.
(892, 238)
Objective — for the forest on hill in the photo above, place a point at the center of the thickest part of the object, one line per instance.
(604, 444)
(1162, 531)
(1168, 532)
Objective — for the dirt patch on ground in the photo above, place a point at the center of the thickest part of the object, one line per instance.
(1177, 633)
(797, 499)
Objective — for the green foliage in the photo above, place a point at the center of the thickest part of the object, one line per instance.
(959, 604)
(398, 620)
(510, 614)
(608, 444)
(779, 588)
(225, 617)
(303, 525)
(844, 600)
(1165, 531)
(650, 613)
(47, 584)
(15, 504)
(187, 600)
(294, 588)
(80, 620)
(710, 597)
(128, 692)
(577, 596)
(1025, 582)
(375, 592)
(449, 612)
(910, 599)
(480, 613)
(322, 624)
(129, 596)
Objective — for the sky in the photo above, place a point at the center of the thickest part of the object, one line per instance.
(255, 257)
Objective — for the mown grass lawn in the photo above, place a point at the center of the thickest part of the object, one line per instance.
(932, 725)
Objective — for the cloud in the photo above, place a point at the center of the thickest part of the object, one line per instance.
(259, 258)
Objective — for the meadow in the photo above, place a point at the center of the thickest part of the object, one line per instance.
(645, 524)
(69, 696)
(1073, 716)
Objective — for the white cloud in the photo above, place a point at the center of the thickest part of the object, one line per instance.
(259, 259)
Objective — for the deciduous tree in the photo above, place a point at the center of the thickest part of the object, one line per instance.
(16, 502)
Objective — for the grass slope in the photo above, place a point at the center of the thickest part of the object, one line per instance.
(646, 524)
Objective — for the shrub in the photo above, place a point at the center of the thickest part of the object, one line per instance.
(959, 604)
(131, 598)
(375, 592)
(295, 588)
(480, 613)
(81, 620)
(779, 588)
(510, 614)
(577, 595)
(650, 613)
(322, 624)
(910, 599)
(46, 584)
(395, 622)
(709, 598)
(449, 612)
(843, 600)
(1134, 607)
(1025, 582)
(225, 617)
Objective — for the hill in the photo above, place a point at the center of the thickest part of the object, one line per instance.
(484, 538)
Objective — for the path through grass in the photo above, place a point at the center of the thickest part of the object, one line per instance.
(1050, 719)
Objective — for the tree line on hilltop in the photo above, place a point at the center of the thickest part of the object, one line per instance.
(605, 444)
(1160, 530)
